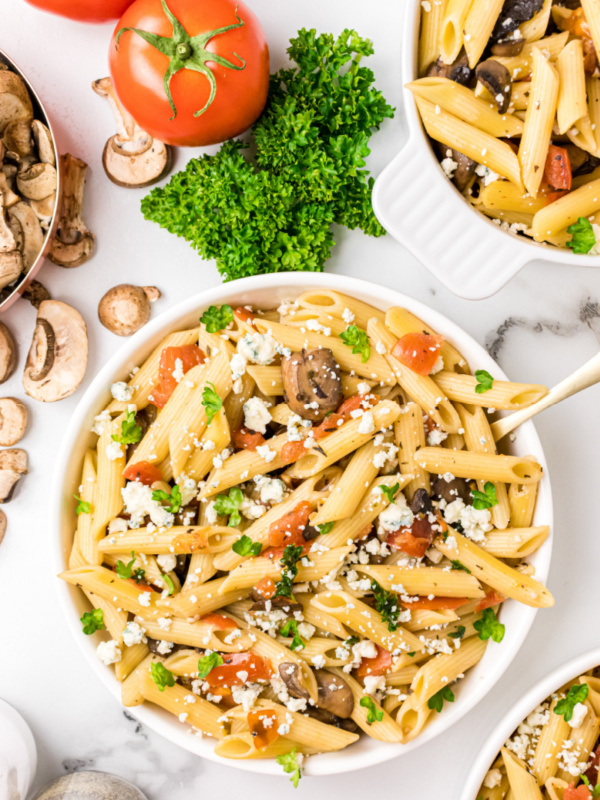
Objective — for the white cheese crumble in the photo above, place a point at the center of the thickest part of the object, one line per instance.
(265, 452)
(138, 501)
(256, 415)
(367, 423)
(397, 515)
(113, 451)
(109, 652)
(167, 562)
(121, 391)
(133, 634)
(272, 490)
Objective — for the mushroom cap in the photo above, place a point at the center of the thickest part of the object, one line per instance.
(8, 353)
(57, 358)
(17, 137)
(497, 80)
(70, 254)
(37, 182)
(459, 71)
(290, 675)
(13, 421)
(43, 142)
(334, 694)
(13, 464)
(134, 170)
(312, 377)
(125, 308)
(11, 266)
(15, 102)
(33, 235)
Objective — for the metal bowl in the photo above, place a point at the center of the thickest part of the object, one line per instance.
(13, 291)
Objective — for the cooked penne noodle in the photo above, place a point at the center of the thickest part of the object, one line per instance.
(432, 16)
(502, 394)
(479, 24)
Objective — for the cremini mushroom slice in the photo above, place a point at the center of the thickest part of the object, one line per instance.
(15, 103)
(459, 71)
(44, 209)
(37, 182)
(8, 353)
(36, 293)
(11, 260)
(312, 385)
(72, 244)
(13, 464)
(17, 137)
(13, 421)
(33, 236)
(496, 79)
(290, 675)
(58, 354)
(131, 158)
(125, 308)
(334, 694)
(9, 197)
(43, 142)
(2, 525)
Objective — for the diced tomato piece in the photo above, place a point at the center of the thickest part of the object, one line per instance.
(289, 528)
(292, 451)
(275, 553)
(375, 666)
(413, 541)
(492, 598)
(575, 23)
(190, 356)
(218, 621)
(144, 472)
(592, 771)
(265, 588)
(418, 351)
(552, 197)
(557, 171)
(189, 542)
(580, 793)
(364, 532)
(243, 439)
(257, 667)
(436, 603)
(244, 315)
(262, 723)
(344, 414)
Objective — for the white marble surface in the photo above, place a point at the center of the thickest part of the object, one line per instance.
(540, 327)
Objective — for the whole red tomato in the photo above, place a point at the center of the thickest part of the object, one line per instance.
(190, 72)
(84, 10)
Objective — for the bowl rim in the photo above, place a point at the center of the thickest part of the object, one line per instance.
(532, 698)
(280, 286)
(535, 250)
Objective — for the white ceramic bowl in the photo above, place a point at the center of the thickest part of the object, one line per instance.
(503, 730)
(423, 210)
(268, 291)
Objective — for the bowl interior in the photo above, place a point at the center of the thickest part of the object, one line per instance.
(268, 292)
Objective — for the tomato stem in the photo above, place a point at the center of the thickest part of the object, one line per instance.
(188, 52)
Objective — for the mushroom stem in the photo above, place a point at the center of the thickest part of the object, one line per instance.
(73, 243)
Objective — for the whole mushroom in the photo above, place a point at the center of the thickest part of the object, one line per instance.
(72, 244)
(13, 421)
(13, 464)
(125, 308)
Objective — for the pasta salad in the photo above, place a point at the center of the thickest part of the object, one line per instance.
(295, 526)
(509, 93)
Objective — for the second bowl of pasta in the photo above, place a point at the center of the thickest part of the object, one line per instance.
(283, 524)
(501, 165)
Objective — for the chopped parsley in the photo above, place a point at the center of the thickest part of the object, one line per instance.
(169, 581)
(583, 237)
(485, 499)
(594, 790)
(216, 318)
(83, 507)
(325, 528)
(456, 564)
(161, 676)
(489, 627)
(211, 401)
(92, 621)
(484, 381)
(291, 626)
(458, 633)
(290, 765)
(130, 432)
(374, 713)
(228, 505)
(172, 499)
(436, 703)
(207, 663)
(126, 571)
(244, 546)
(390, 491)
(387, 605)
(358, 340)
(577, 694)
(289, 570)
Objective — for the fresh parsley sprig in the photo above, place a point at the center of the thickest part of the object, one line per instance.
(207, 663)
(290, 765)
(458, 565)
(325, 528)
(244, 546)
(92, 621)
(126, 571)
(228, 505)
(211, 401)
(489, 627)
(485, 499)
(169, 582)
(583, 237)
(217, 318)
(161, 676)
(83, 507)
(130, 432)
(458, 633)
(390, 491)
(358, 340)
(374, 714)
(172, 499)
(289, 569)
(593, 790)
(484, 381)
(387, 604)
(436, 702)
(577, 694)
(291, 627)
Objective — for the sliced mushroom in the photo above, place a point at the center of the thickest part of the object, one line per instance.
(8, 353)
(17, 137)
(37, 182)
(36, 293)
(2, 525)
(11, 260)
(463, 175)
(15, 103)
(496, 79)
(13, 421)
(421, 502)
(131, 158)
(58, 354)
(312, 384)
(459, 71)
(72, 244)
(43, 142)
(457, 488)
(330, 719)
(44, 209)
(9, 197)
(13, 464)
(290, 675)
(513, 13)
(508, 48)
(33, 235)
(335, 695)
(125, 308)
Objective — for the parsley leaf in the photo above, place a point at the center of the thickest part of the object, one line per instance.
(458, 565)
(577, 694)
(390, 491)
(387, 604)
(139, 575)
(374, 713)
(130, 432)
(325, 528)
(488, 626)
(436, 703)
(244, 546)
(228, 505)
(290, 765)
(458, 633)
(207, 663)
(289, 570)
(169, 581)
(216, 318)
(125, 571)
(92, 621)
(485, 499)
(161, 676)
(484, 381)
(594, 790)
(172, 499)
(291, 626)
(358, 340)
(583, 237)
(83, 507)
(211, 401)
